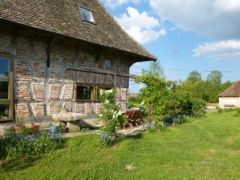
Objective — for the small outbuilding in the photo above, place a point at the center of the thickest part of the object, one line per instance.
(230, 98)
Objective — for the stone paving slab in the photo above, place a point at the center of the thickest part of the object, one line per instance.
(122, 133)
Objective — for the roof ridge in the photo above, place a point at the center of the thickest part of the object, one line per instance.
(49, 17)
(232, 91)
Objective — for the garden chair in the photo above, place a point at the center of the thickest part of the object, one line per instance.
(135, 117)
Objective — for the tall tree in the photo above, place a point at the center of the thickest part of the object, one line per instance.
(213, 86)
(215, 77)
(194, 76)
(194, 84)
(155, 70)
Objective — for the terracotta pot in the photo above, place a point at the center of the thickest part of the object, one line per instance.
(35, 128)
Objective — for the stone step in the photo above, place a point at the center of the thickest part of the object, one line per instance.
(6, 127)
(91, 123)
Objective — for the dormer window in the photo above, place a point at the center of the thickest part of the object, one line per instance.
(87, 15)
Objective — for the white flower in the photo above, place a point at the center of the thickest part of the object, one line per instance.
(109, 91)
(142, 103)
(101, 92)
(107, 101)
(120, 113)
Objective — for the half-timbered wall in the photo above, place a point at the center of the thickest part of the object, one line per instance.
(41, 91)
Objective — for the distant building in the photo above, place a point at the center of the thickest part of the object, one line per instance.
(230, 98)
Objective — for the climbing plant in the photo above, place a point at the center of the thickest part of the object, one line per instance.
(112, 117)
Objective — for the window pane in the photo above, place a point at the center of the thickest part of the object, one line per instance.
(84, 92)
(3, 90)
(87, 15)
(4, 69)
(4, 111)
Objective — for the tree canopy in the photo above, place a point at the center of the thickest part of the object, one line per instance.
(155, 70)
(208, 89)
(194, 76)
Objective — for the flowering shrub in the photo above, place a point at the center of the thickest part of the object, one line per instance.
(17, 146)
(112, 117)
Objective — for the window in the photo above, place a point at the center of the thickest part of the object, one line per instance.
(89, 93)
(84, 93)
(229, 106)
(5, 91)
(107, 64)
(87, 15)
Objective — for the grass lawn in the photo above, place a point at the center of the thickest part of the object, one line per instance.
(206, 148)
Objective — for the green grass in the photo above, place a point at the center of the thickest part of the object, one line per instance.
(206, 148)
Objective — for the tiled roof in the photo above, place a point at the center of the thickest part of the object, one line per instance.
(232, 91)
(63, 17)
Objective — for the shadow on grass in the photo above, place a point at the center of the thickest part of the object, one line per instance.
(138, 136)
(25, 160)
(237, 114)
(19, 164)
(130, 137)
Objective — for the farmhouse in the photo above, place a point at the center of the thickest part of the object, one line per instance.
(230, 98)
(56, 55)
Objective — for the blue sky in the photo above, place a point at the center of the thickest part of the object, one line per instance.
(184, 35)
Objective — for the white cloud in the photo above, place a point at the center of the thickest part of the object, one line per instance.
(142, 27)
(214, 18)
(117, 3)
(227, 5)
(229, 49)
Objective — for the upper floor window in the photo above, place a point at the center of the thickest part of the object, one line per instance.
(87, 15)
(107, 64)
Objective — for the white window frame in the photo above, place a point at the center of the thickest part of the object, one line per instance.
(92, 18)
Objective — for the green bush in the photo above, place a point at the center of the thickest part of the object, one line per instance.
(185, 104)
(237, 112)
(199, 107)
(134, 102)
(220, 110)
(15, 146)
(107, 137)
(165, 98)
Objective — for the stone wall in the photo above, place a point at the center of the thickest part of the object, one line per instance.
(41, 91)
